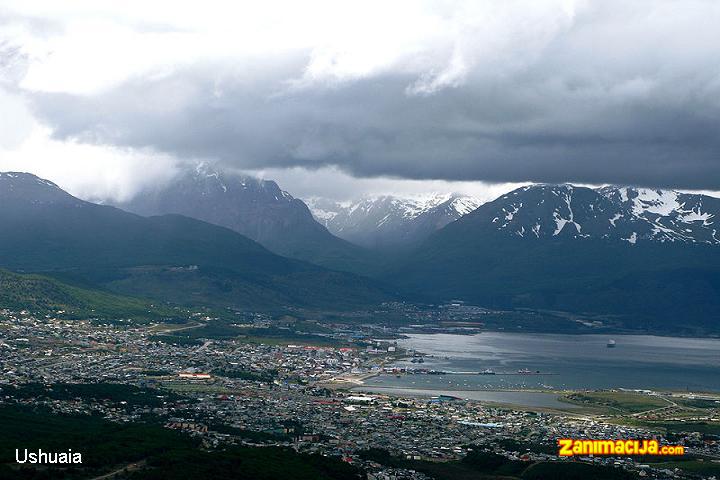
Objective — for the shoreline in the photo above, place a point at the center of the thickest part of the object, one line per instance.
(498, 390)
(668, 391)
(639, 333)
(679, 393)
(533, 399)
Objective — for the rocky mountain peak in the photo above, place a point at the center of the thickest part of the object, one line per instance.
(634, 215)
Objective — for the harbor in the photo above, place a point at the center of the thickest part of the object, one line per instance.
(505, 361)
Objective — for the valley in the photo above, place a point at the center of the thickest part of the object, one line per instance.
(545, 266)
(463, 348)
(359, 240)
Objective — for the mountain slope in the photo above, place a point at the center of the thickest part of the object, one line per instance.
(620, 213)
(43, 295)
(611, 251)
(170, 257)
(257, 209)
(389, 222)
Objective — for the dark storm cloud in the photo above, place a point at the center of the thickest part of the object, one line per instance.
(623, 95)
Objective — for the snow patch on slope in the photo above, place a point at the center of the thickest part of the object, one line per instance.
(660, 202)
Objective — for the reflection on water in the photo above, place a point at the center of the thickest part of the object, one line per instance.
(565, 362)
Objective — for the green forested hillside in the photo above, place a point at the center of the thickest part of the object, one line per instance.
(158, 452)
(167, 258)
(41, 295)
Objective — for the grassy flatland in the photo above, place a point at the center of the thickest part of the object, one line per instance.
(710, 428)
(298, 332)
(671, 414)
(699, 403)
(617, 402)
(706, 428)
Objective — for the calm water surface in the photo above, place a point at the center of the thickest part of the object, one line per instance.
(565, 361)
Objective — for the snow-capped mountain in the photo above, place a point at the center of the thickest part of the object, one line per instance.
(635, 215)
(641, 256)
(258, 209)
(389, 221)
(253, 207)
(15, 185)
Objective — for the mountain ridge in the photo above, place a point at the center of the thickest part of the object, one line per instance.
(556, 248)
(649, 256)
(625, 213)
(170, 257)
(258, 209)
(391, 222)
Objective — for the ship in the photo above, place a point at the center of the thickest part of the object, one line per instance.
(611, 343)
(524, 371)
(448, 397)
(487, 371)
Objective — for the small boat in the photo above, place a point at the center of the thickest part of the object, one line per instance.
(611, 343)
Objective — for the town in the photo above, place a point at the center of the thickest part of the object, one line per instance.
(290, 393)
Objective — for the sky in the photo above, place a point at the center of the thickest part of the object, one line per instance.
(339, 99)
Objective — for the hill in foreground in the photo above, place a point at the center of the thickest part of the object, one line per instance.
(43, 295)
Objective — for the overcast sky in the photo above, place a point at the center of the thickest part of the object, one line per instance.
(341, 98)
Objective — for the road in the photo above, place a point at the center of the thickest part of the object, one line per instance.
(125, 468)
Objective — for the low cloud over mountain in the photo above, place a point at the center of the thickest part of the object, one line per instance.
(590, 92)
